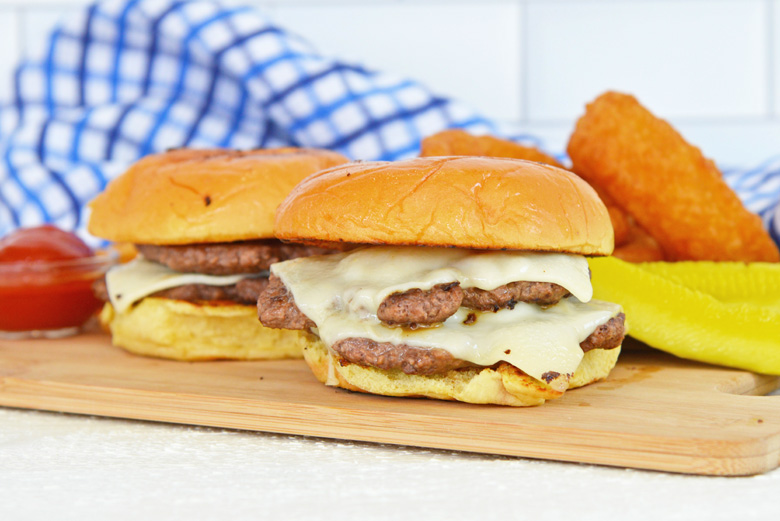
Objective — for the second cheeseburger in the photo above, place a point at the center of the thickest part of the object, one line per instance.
(473, 283)
(202, 221)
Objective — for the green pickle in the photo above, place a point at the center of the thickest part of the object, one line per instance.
(724, 313)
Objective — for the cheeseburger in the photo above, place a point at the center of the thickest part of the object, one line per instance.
(471, 284)
(202, 222)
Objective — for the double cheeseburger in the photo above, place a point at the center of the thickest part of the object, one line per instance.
(471, 284)
(202, 222)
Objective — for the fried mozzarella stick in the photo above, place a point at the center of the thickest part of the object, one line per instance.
(456, 142)
(673, 192)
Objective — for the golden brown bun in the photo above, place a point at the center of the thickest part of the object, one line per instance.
(466, 202)
(457, 142)
(504, 385)
(190, 196)
(180, 330)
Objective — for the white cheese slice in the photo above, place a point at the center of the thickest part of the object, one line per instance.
(139, 278)
(361, 279)
(341, 294)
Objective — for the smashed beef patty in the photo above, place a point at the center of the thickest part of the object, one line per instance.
(428, 361)
(245, 291)
(415, 307)
(506, 296)
(606, 336)
(409, 359)
(226, 258)
(276, 308)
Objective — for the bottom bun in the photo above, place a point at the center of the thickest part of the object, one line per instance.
(181, 330)
(502, 385)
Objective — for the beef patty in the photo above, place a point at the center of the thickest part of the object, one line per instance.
(276, 308)
(606, 336)
(409, 359)
(506, 296)
(226, 258)
(424, 361)
(417, 307)
(245, 291)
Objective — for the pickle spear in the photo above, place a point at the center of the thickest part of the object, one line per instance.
(724, 313)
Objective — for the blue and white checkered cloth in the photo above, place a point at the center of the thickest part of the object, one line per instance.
(131, 77)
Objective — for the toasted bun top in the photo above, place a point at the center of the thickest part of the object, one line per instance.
(465, 202)
(191, 196)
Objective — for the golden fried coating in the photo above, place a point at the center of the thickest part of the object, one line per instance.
(674, 193)
(639, 246)
(621, 223)
(456, 142)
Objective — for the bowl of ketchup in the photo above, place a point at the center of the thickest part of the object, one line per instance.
(46, 277)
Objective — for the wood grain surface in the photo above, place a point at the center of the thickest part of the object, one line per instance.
(653, 412)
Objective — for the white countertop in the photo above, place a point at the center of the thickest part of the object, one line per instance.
(59, 467)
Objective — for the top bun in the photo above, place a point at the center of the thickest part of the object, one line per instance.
(464, 202)
(190, 196)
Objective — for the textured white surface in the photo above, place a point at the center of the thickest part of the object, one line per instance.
(55, 466)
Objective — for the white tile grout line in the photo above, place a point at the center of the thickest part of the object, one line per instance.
(523, 117)
(773, 69)
(20, 38)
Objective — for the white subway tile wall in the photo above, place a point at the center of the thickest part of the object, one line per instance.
(469, 50)
(711, 67)
(686, 59)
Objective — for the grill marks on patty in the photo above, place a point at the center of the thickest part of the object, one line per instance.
(424, 361)
(226, 258)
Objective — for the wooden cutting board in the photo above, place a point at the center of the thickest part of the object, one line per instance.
(653, 412)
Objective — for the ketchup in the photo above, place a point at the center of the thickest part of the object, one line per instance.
(46, 277)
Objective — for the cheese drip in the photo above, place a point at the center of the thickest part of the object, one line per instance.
(139, 278)
(341, 294)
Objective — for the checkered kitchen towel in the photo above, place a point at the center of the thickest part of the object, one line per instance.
(132, 77)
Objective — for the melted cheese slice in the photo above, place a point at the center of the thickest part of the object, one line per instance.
(341, 294)
(139, 278)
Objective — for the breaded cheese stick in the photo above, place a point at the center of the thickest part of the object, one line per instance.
(676, 194)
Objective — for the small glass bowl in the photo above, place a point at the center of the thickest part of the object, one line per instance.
(50, 299)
